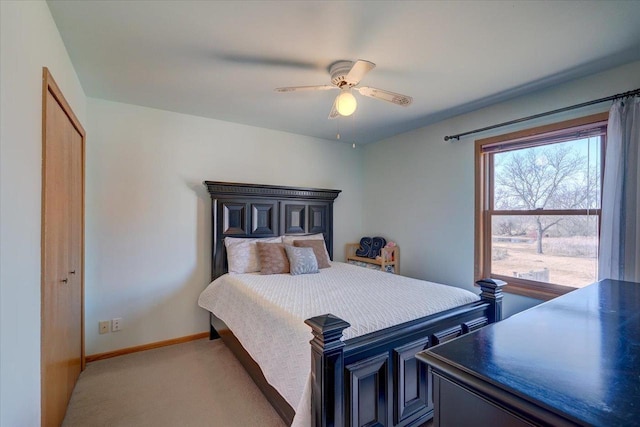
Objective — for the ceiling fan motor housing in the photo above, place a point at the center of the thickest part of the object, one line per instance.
(339, 71)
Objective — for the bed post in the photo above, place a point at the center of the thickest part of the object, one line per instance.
(327, 370)
(492, 293)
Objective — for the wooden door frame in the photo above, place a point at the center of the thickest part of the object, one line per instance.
(49, 86)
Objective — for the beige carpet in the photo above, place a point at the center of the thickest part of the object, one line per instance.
(198, 383)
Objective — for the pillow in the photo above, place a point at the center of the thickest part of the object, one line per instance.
(273, 258)
(288, 240)
(242, 254)
(365, 247)
(370, 247)
(301, 260)
(318, 249)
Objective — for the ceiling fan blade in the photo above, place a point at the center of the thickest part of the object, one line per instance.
(334, 112)
(358, 71)
(305, 88)
(385, 95)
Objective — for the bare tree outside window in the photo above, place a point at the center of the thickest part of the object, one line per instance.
(551, 177)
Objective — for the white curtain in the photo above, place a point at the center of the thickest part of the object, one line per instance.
(619, 256)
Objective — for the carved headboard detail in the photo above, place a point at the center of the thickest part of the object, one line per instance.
(256, 210)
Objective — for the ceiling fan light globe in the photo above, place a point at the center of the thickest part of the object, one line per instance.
(346, 103)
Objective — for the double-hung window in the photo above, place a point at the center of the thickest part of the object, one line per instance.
(538, 196)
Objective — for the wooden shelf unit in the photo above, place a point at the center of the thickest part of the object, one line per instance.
(388, 257)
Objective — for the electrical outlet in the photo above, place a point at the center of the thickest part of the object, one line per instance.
(104, 326)
(116, 324)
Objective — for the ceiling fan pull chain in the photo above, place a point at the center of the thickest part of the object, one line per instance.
(353, 129)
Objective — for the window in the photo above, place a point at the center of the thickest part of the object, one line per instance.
(538, 196)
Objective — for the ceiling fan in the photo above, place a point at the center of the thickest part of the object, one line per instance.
(345, 75)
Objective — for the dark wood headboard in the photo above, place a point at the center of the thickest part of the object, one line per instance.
(256, 210)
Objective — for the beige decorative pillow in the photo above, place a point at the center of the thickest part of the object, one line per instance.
(319, 250)
(242, 253)
(289, 239)
(273, 258)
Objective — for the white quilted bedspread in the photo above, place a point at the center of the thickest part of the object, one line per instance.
(267, 312)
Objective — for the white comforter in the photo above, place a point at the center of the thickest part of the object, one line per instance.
(267, 312)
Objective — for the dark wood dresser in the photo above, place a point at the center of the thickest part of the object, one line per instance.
(574, 360)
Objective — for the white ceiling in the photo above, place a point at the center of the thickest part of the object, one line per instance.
(222, 59)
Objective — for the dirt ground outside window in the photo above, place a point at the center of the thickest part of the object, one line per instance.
(571, 261)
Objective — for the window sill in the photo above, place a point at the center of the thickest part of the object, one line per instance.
(532, 289)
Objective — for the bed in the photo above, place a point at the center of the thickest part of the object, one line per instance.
(360, 368)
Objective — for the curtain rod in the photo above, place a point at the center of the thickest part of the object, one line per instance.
(548, 113)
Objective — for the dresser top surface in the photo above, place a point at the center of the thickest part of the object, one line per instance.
(578, 355)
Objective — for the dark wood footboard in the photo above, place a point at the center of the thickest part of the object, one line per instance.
(375, 379)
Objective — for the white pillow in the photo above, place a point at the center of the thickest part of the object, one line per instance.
(289, 239)
(242, 254)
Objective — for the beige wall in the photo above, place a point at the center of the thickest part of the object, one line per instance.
(29, 40)
(419, 190)
(148, 215)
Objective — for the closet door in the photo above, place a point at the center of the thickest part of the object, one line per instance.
(62, 354)
(75, 350)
